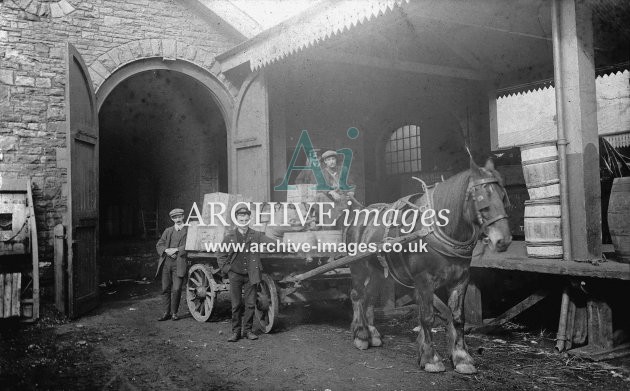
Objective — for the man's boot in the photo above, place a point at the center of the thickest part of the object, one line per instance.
(234, 337)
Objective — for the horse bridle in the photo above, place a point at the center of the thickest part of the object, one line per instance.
(474, 191)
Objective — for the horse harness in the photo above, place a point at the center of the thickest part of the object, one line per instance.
(432, 234)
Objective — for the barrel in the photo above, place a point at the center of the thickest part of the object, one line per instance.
(619, 218)
(543, 228)
(540, 169)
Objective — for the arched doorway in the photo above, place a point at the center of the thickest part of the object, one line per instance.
(163, 145)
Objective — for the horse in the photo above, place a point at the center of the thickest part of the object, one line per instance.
(477, 201)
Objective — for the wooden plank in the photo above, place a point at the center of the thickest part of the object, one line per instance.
(8, 284)
(515, 258)
(580, 325)
(60, 273)
(12, 184)
(404, 300)
(598, 354)
(1, 295)
(34, 250)
(15, 300)
(472, 305)
(520, 307)
(600, 330)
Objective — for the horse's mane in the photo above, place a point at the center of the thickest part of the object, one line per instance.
(451, 195)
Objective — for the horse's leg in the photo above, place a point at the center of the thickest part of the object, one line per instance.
(371, 290)
(428, 358)
(359, 326)
(462, 361)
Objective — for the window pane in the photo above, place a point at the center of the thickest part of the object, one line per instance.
(402, 151)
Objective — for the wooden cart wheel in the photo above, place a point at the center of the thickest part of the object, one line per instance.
(267, 304)
(200, 292)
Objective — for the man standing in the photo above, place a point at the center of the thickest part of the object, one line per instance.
(172, 265)
(244, 271)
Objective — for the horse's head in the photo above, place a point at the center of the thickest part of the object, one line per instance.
(488, 201)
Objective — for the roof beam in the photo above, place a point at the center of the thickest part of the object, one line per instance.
(495, 15)
(396, 65)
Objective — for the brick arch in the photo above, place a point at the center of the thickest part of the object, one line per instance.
(166, 49)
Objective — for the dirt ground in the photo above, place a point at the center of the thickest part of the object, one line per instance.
(121, 347)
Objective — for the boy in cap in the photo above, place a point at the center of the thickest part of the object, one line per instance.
(338, 196)
(172, 265)
(244, 271)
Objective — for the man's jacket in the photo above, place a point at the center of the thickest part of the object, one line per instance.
(163, 244)
(254, 266)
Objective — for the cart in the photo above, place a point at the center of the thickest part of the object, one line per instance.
(289, 278)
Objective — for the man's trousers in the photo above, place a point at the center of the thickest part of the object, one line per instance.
(242, 310)
(171, 286)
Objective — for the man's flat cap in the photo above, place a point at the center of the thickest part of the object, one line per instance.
(176, 212)
(243, 210)
(329, 154)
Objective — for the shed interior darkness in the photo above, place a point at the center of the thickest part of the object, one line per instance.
(163, 145)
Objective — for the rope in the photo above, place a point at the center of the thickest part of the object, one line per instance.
(18, 232)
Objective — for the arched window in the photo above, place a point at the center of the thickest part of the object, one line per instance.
(402, 152)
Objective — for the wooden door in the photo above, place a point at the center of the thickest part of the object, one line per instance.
(83, 183)
(250, 141)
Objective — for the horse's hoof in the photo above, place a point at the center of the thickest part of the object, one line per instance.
(361, 344)
(376, 342)
(465, 369)
(434, 367)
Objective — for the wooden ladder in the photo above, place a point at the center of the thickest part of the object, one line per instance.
(149, 223)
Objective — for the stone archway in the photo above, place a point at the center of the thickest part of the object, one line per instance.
(124, 61)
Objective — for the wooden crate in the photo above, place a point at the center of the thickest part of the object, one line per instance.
(302, 193)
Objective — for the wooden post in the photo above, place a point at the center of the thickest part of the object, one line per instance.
(59, 264)
(8, 284)
(576, 80)
(15, 300)
(600, 332)
(472, 305)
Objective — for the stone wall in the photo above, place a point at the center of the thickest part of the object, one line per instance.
(108, 34)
